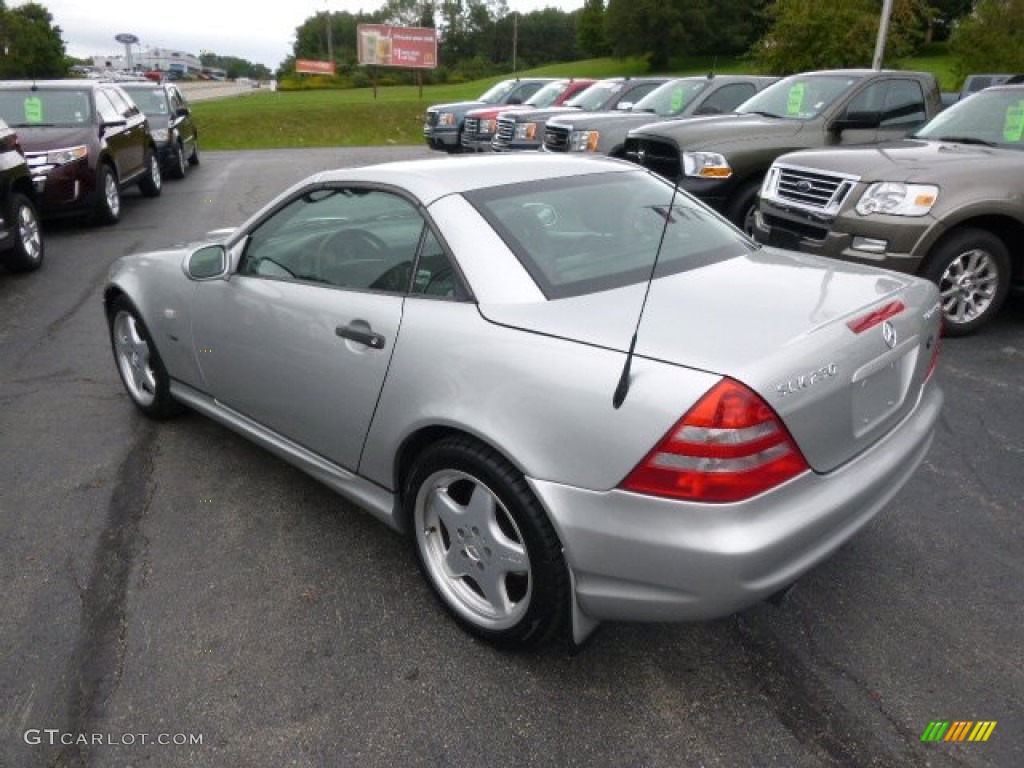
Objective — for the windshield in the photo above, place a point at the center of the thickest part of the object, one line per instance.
(498, 92)
(547, 95)
(152, 101)
(595, 232)
(992, 116)
(594, 97)
(25, 108)
(801, 97)
(670, 99)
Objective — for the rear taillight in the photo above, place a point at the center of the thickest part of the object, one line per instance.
(729, 447)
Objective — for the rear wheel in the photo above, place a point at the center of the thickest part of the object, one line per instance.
(27, 251)
(972, 269)
(108, 196)
(485, 545)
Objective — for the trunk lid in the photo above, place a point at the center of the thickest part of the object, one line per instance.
(778, 322)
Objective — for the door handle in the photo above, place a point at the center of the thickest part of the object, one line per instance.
(360, 331)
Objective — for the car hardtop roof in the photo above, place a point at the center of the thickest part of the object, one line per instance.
(43, 85)
(433, 178)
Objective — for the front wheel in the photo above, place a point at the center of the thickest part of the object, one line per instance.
(178, 169)
(27, 251)
(972, 269)
(485, 545)
(743, 206)
(152, 182)
(108, 196)
(138, 363)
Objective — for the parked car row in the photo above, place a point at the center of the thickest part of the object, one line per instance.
(945, 204)
(76, 145)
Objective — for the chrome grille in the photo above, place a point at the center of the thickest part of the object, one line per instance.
(431, 118)
(808, 189)
(506, 129)
(661, 157)
(472, 126)
(556, 138)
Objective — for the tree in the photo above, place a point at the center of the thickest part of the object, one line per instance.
(988, 39)
(30, 44)
(808, 34)
(590, 36)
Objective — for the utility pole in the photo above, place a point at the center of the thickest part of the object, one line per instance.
(515, 37)
(883, 33)
(330, 44)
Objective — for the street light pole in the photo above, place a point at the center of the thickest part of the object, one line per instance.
(883, 32)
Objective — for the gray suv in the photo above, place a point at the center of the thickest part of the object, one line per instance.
(946, 203)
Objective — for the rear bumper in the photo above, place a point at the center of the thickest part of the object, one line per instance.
(640, 558)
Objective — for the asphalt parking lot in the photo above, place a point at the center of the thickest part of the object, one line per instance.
(164, 582)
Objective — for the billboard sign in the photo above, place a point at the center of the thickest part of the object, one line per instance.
(309, 67)
(386, 46)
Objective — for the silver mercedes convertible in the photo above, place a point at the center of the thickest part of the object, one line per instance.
(583, 394)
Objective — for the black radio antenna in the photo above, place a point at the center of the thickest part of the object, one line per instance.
(622, 389)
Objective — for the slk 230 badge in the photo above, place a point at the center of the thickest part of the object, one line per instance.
(805, 380)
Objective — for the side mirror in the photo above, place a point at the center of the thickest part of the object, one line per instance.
(182, 112)
(108, 124)
(207, 263)
(863, 121)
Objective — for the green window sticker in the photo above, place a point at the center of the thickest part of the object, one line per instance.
(33, 109)
(795, 105)
(678, 100)
(1013, 128)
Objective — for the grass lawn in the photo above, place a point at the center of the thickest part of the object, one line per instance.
(266, 120)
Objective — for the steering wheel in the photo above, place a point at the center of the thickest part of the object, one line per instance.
(344, 247)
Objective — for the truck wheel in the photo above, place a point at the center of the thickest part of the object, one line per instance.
(972, 269)
(744, 203)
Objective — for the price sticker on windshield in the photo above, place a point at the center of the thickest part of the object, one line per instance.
(33, 109)
(678, 100)
(1013, 128)
(795, 104)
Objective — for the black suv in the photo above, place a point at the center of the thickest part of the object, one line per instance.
(170, 122)
(21, 240)
(85, 142)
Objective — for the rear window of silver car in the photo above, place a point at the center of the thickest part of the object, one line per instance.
(583, 234)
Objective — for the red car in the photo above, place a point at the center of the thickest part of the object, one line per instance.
(482, 123)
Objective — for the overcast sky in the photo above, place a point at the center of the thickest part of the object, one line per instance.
(261, 31)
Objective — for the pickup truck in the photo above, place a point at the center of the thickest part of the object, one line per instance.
(723, 159)
(21, 239)
(525, 130)
(480, 124)
(605, 132)
(444, 123)
(946, 203)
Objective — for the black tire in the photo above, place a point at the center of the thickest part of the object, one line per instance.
(177, 171)
(514, 592)
(972, 269)
(152, 182)
(742, 206)
(108, 196)
(138, 363)
(193, 159)
(27, 250)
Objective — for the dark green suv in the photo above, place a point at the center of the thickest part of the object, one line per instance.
(21, 239)
(170, 122)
